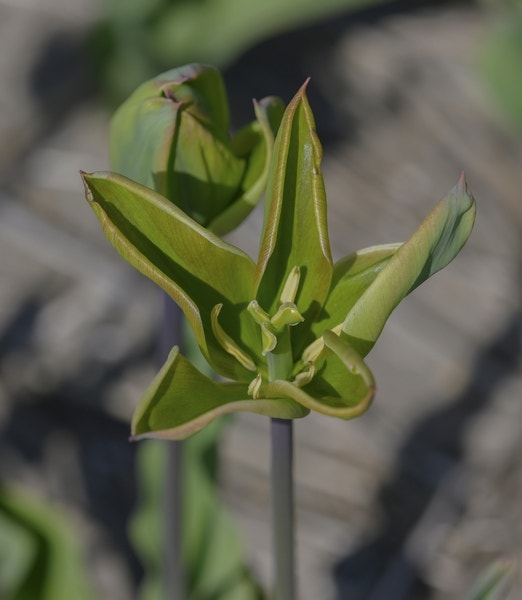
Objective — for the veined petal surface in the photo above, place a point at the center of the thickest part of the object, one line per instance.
(295, 231)
(198, 269)
(435, 243)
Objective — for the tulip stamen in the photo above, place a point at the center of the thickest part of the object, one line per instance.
(227, 343)
(291, 286)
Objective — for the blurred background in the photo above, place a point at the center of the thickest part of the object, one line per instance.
(412, 501)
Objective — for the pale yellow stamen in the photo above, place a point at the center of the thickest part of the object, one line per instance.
(287, 314)
(260, 316)
(305, 377)
(227, 343)
(268, 338)
(311, 353)
(291, 284)
(255, 386)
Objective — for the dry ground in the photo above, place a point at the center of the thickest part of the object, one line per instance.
(409, 502)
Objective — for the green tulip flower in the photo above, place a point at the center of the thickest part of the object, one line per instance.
(289, 332)
(171, 135)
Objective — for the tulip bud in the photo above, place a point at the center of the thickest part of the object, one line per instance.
(172, 135)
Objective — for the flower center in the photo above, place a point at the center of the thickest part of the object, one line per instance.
(275, 339)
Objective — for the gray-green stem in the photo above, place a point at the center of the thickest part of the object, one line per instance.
(279, 367)
(174, 579)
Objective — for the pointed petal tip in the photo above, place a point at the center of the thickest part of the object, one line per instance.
(139, 437)
(301, 92)
(462, 189)
(462, 184)
(87, 190)
(84, 176)
(304, 87)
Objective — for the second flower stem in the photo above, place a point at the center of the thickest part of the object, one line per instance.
(174, 579)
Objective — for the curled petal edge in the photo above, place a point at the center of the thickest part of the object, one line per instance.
(178, 377)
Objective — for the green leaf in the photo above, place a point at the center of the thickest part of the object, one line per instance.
(500, 58)
(295, 230)
(435, 243)
(494, 582)
(51, 563)
(18, 549)
(212, 551)
(181, 400)
(197, 269)
(145, 33)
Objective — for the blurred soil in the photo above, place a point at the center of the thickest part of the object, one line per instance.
(411, 501)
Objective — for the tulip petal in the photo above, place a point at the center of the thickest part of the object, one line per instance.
(195, 267)
(295, 230)
(254, 143)
(143, 129)
(181, 400)
(351, 277)
(435, 243)
(343, 386)
(171, 135)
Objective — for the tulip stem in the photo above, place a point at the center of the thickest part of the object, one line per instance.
(279, 367)
(173, 571)
(283, 508)
(279, 360)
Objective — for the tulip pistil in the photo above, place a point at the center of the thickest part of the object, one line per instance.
(275, 335)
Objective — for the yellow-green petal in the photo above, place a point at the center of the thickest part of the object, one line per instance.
(181, 400)
(295, 232)
(436, 242)
(195, 267)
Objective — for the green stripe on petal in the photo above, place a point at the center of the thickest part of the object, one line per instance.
(435, 243)
(198, 269)
(295, 231)
(181, 401)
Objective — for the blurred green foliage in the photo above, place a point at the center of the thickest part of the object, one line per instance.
(139, 38)
(40, 558)
(493, 583)
(501, 57)
(214, 558)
